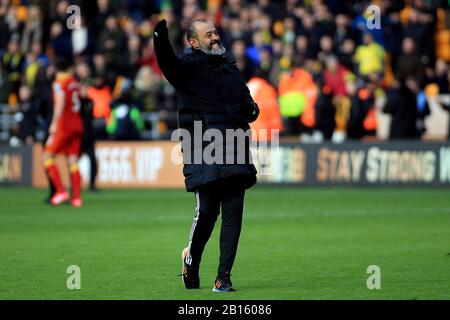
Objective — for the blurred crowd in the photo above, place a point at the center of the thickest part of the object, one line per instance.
(325, 70)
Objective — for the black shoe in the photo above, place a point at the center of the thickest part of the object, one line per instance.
(223, 283)
(189, 276)
(93, 189)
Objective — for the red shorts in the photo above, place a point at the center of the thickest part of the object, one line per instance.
(64, 142)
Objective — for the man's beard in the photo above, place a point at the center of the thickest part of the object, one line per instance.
(213, 50)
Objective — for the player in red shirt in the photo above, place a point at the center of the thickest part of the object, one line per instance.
(66, 133)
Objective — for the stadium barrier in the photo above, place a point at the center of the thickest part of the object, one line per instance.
(123, 165)
(150, 165)
(15, 165)
(360, 164)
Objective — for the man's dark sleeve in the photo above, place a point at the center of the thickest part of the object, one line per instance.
(173, 69)
(249, 108)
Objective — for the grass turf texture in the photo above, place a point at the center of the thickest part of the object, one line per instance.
(296, 243)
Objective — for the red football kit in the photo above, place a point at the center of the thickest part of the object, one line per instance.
(66, 139)
(69, 128)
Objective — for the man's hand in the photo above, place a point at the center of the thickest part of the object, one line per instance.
(161, 30)
(250, 111)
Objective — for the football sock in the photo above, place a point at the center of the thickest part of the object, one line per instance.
(75, 180)
(53, 174)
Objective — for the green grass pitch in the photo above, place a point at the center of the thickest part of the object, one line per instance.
(296, 243)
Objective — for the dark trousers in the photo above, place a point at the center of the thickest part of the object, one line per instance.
(52, 188)
(88, 147)
(223, 195)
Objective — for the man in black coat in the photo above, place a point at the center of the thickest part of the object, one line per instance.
(402, 105)
(88, 142)
(213, 95)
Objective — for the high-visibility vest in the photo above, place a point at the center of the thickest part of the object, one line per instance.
(370, 121)
(298, 96)
(265, 95)
(102, 99)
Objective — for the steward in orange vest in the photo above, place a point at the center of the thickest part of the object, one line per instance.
(265, 95)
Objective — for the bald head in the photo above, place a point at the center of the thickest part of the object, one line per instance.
(193, 31)
(203, 35)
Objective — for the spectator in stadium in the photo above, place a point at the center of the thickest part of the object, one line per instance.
(343, 31)
(83, 73)
(61, 40)
(441, 76)
(242, 60)
(297, 97)
(233, 8)
(265, 95)
(5, 31)
(131, 57)
(302, 46)
(345, 54)
(416, 29)
(129, 27)
(213, 92)
(104, 10)
(100, 94)
(360, 103)
(27, 115)
(33, 30)
(334, 75)
(289, 30)
(325, 113)
(342, 112)
(254, 51)
(236, 32)
(369, 56)
(148, 58)
(409, 64)
(367, 92)
(265, 62)
(42, 57)
(402, 105)
(12, 62)
(326, 48)
(112, 43)
(147, 85)
(31, 69)
(125, 121)
(59, 11)
(324, 20)
(270, 8)
(100, 67)
(283, 62)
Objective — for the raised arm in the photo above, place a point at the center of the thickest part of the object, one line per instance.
(168, 62)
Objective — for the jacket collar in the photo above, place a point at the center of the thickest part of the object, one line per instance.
(201, 57)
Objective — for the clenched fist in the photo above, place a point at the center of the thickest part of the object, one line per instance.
(161, 30)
